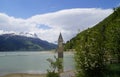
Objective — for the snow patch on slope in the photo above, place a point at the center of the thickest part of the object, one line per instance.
(26, 34)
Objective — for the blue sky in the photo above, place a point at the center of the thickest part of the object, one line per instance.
(47, 18)
(28, 8)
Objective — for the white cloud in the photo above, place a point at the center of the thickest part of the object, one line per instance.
(67, 21)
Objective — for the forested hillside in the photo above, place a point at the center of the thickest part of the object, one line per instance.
(109, 28)
(98, 47)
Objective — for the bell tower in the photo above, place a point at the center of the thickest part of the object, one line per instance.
(60, 52)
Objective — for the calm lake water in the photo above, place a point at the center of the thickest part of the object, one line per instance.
(30, 62)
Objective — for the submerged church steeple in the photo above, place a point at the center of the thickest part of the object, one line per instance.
(60, 51)
(60, 46)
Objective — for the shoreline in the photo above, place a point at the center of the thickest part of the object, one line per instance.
(69, 73)
(23, 75)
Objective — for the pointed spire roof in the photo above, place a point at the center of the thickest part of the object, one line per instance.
(60, 39)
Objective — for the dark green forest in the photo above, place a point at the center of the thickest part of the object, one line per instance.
(98, 48)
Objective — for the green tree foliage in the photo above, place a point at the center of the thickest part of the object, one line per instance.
(54, 65)
(90, 55)
(113, 42)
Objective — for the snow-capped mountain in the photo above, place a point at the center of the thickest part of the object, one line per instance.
(26, 34)
(23, 42)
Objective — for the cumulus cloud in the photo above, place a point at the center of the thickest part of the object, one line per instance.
(48, 26)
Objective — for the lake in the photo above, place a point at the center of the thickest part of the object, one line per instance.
(31, 62)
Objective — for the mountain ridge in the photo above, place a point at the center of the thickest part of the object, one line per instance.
(13, 42)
